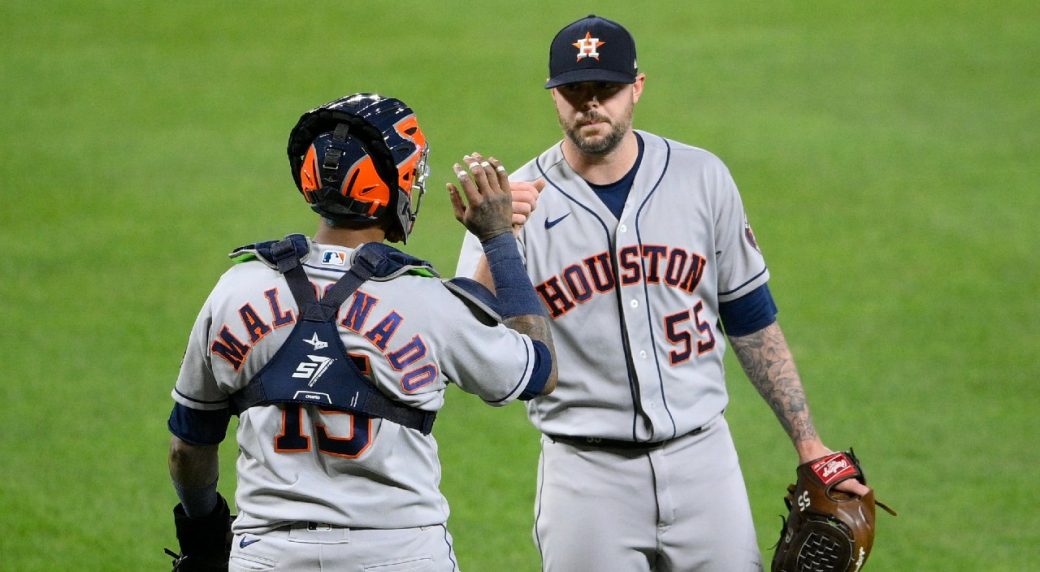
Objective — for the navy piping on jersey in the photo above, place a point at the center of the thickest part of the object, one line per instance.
(748, 281)
(646, 290)
(630, 368)
(626, 344)
(223, 402)
(521, 378)
(451, 554)
(538, 508)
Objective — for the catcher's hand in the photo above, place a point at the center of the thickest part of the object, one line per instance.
(826, 530)
(205, 542)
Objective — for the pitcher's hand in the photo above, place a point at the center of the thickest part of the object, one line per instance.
(525, 200)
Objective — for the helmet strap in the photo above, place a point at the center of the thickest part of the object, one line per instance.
(333, 155)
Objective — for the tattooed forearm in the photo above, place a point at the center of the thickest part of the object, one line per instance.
(768, 363)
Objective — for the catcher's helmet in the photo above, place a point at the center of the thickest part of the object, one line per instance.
(358, 156)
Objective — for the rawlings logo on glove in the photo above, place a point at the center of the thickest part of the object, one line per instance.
(829, 531)
(834, 468)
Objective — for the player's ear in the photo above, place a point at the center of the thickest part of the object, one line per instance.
(637, 87)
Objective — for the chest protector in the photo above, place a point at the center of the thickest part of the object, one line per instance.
(312, 366)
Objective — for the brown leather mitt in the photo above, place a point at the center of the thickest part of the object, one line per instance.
(826, 530)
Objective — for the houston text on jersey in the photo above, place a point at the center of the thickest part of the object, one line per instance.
(674, 267)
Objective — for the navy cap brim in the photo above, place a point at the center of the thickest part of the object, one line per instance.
(591, 74)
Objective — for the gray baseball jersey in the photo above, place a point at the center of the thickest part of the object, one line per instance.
(411, 336)
(635, 302)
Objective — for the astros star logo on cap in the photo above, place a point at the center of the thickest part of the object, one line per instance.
(587, 47)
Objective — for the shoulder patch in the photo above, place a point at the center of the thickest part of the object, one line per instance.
(749, 235)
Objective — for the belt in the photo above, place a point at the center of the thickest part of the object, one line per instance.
(318, 533)
(315, 526)
(601, 443)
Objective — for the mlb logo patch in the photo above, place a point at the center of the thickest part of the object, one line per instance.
(333, 258)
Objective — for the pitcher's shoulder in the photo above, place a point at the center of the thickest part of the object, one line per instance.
(657, 145)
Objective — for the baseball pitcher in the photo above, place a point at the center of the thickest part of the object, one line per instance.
(640, 251)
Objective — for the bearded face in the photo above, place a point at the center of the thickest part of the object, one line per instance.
(595, 142)
(595, 116)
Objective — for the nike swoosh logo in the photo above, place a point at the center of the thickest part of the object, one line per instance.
(247, 541)
(551, 223)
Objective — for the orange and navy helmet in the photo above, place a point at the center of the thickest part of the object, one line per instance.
(361, 159)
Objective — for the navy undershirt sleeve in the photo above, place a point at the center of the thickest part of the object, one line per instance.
(516, 296)
(540, 375)
(749, 313)
(199, 427)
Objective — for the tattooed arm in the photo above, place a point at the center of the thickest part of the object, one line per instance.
(768, 363)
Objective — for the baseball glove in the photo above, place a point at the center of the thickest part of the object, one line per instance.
(205, 542)
(826, 530)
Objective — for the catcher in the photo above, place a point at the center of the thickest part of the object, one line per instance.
(827, 529)
(335, 353)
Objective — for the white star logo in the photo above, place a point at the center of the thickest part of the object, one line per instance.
(317, 343)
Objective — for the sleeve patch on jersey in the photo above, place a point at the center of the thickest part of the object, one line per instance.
(749, 235)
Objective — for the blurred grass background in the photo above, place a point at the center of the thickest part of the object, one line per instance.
(887, 154)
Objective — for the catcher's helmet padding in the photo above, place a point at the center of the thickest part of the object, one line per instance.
(358, 156)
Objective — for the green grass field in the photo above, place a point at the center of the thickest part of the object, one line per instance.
(886, 153)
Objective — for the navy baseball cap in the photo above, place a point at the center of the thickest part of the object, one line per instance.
(592, 49)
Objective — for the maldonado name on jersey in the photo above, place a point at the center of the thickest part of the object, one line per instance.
(411, 358)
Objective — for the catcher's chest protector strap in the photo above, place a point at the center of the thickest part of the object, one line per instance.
(312, 367)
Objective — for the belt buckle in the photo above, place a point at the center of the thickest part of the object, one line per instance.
(316, 526)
